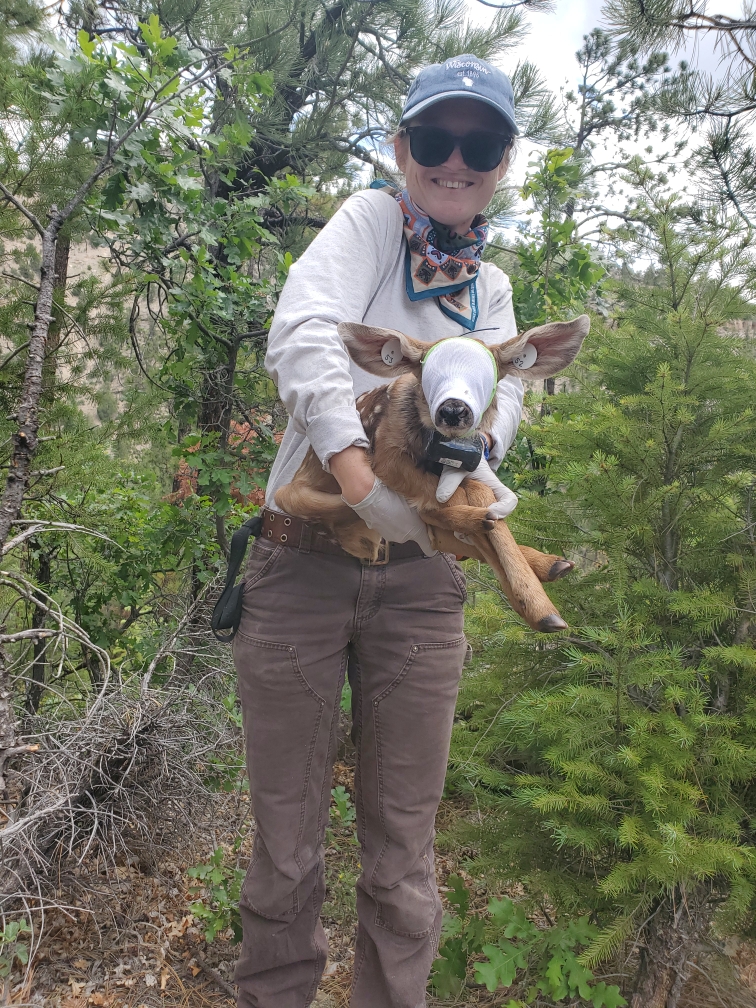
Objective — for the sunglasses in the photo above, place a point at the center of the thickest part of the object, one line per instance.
(481, 150)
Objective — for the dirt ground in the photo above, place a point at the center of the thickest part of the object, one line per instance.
(128, 938)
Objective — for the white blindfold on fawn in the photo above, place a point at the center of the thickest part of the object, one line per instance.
(459, 377)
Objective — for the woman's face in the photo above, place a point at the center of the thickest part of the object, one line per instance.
(452, 193)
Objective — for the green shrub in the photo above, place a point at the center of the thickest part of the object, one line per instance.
(13, 949)
(503, 947)
(218, 907)
(613, 764)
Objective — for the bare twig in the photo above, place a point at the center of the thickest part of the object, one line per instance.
(49, 526)
(125, 758)
(215, 975)
(22, 209)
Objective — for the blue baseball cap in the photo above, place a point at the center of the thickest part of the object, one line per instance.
(462, 77)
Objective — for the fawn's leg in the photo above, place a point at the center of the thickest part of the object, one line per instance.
(446, 542)
(346, 526)
(518, 581)
(314, 505)
(546, 566)
(524, 594)
(458, 518)
(400, 473)
(521, 586)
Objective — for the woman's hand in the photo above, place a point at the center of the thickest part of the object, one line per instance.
(379, 507)
(389, 513)
(450, 479)
(506, 499)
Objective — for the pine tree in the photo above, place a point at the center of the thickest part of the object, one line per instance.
(615, 764)
(720, 105)
(17, 19)
(340, 71)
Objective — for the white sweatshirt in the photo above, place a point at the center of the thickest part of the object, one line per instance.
(353, 271)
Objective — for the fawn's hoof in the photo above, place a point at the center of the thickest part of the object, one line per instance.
(559, 568)
(551, 623)
(488, 524)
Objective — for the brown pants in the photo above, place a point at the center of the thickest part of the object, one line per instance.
(396, 631)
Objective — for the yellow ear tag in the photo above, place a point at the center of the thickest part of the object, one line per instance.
(391, 352)
(526, 358)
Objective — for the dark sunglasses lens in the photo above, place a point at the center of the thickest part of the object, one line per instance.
(430, 146)
(482, 151)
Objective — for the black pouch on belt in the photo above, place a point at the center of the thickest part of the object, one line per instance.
(228, 608)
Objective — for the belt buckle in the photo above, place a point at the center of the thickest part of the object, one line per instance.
(383, 554)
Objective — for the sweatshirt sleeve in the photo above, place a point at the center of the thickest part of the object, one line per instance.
(509, 392)
(333, 281)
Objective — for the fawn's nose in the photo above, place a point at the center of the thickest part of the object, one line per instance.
(455, 414)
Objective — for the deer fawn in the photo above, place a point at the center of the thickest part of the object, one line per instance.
(398, 423)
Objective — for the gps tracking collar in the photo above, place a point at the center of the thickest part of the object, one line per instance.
(459, 452)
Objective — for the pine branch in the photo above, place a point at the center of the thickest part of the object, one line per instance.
(22, 209)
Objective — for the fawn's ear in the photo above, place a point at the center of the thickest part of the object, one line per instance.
(542, 352)
(383, 352)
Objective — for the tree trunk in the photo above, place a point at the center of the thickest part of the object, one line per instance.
(211, 400)
(184, 427)
(62, 253)
(38, 676)
(215, 414)
(27, 416)
(7, 720)
(670, 940)
(549, 388)
(24, 447)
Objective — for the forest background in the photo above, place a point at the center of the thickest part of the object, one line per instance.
(161, 167)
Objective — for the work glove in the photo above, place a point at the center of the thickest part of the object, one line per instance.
(450, 478)
(389, 514)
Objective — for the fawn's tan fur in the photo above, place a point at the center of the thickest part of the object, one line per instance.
(396, 421)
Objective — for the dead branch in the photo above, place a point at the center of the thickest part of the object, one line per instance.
(215, 975)
(49, 526)
(112, 769)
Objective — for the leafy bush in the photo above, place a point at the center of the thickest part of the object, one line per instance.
(504, 947)
(218, 907)
(344, 808)
(13, 949)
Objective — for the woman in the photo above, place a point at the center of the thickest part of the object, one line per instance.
(313, 614)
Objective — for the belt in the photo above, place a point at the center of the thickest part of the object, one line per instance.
(310, 537)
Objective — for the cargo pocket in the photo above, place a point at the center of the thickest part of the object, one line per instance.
(409, 908)
(261, 558)
(458, 574)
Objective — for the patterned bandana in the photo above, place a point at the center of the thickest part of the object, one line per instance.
(438, 264)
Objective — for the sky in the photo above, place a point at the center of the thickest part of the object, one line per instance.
(555, 37)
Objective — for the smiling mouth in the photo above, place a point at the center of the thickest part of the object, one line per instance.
(447, 184)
